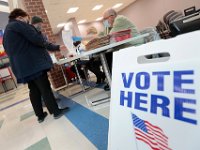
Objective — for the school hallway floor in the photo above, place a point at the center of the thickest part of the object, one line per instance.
(84, 127)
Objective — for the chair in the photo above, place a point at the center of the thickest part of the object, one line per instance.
(190, 10)
(6, 74)
(153, 36)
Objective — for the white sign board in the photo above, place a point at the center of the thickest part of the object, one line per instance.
(155, 103)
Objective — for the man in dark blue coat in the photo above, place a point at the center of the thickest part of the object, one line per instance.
(30, 61)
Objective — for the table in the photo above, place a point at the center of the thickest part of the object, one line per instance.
(101, 51)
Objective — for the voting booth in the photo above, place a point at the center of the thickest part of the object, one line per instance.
(155, 102)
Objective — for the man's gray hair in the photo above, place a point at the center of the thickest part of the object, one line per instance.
(109, 12)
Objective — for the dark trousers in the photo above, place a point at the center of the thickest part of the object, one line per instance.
(40, 88)
(92, 65)
(109, 58)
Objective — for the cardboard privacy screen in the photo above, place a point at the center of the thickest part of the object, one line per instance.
(155, 103)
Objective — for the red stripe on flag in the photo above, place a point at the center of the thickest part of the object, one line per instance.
(147, 136)
(151, 138)
(148, 143)
(151, 144)
(159, 130)
(157, 136)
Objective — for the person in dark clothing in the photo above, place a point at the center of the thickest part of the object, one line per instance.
(37, 22)
(30, 61)
(90, 63)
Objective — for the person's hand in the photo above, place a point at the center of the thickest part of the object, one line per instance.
(58, 55)
(62, 47)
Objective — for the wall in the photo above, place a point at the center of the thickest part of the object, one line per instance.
(16, 4)
(72, 24)
(36, 8)
(4, 20)
(58, 38)
(145, 13)
(83, 27)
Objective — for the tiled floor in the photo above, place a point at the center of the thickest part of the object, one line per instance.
(84, 127)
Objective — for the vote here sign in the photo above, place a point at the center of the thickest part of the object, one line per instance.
(155, 101)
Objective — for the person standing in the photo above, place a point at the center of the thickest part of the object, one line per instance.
(30, 61)
(37, 23)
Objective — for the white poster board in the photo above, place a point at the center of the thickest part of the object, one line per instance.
(155, 105)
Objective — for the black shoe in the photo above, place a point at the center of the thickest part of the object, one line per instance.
(107, 87)
(61, 113)
(41, 119)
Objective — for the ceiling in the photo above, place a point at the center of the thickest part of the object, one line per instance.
(57, 10)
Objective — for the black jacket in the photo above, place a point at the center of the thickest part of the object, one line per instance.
(26, 49)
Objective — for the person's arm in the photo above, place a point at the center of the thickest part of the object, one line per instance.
(52, 47)
(29, 33)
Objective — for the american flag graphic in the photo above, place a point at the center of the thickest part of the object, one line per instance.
(150, 134)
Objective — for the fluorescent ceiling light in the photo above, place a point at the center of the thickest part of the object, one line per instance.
(97, 7)
(100, 18)
(72, 10)
(117, 5)
(61, 25)
(4, 3)
(4, 9)
(82, 21)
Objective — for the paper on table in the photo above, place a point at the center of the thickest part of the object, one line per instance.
(53, 57)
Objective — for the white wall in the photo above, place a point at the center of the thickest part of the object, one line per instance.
(4, 20)
(83, 27)
(145, 13)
